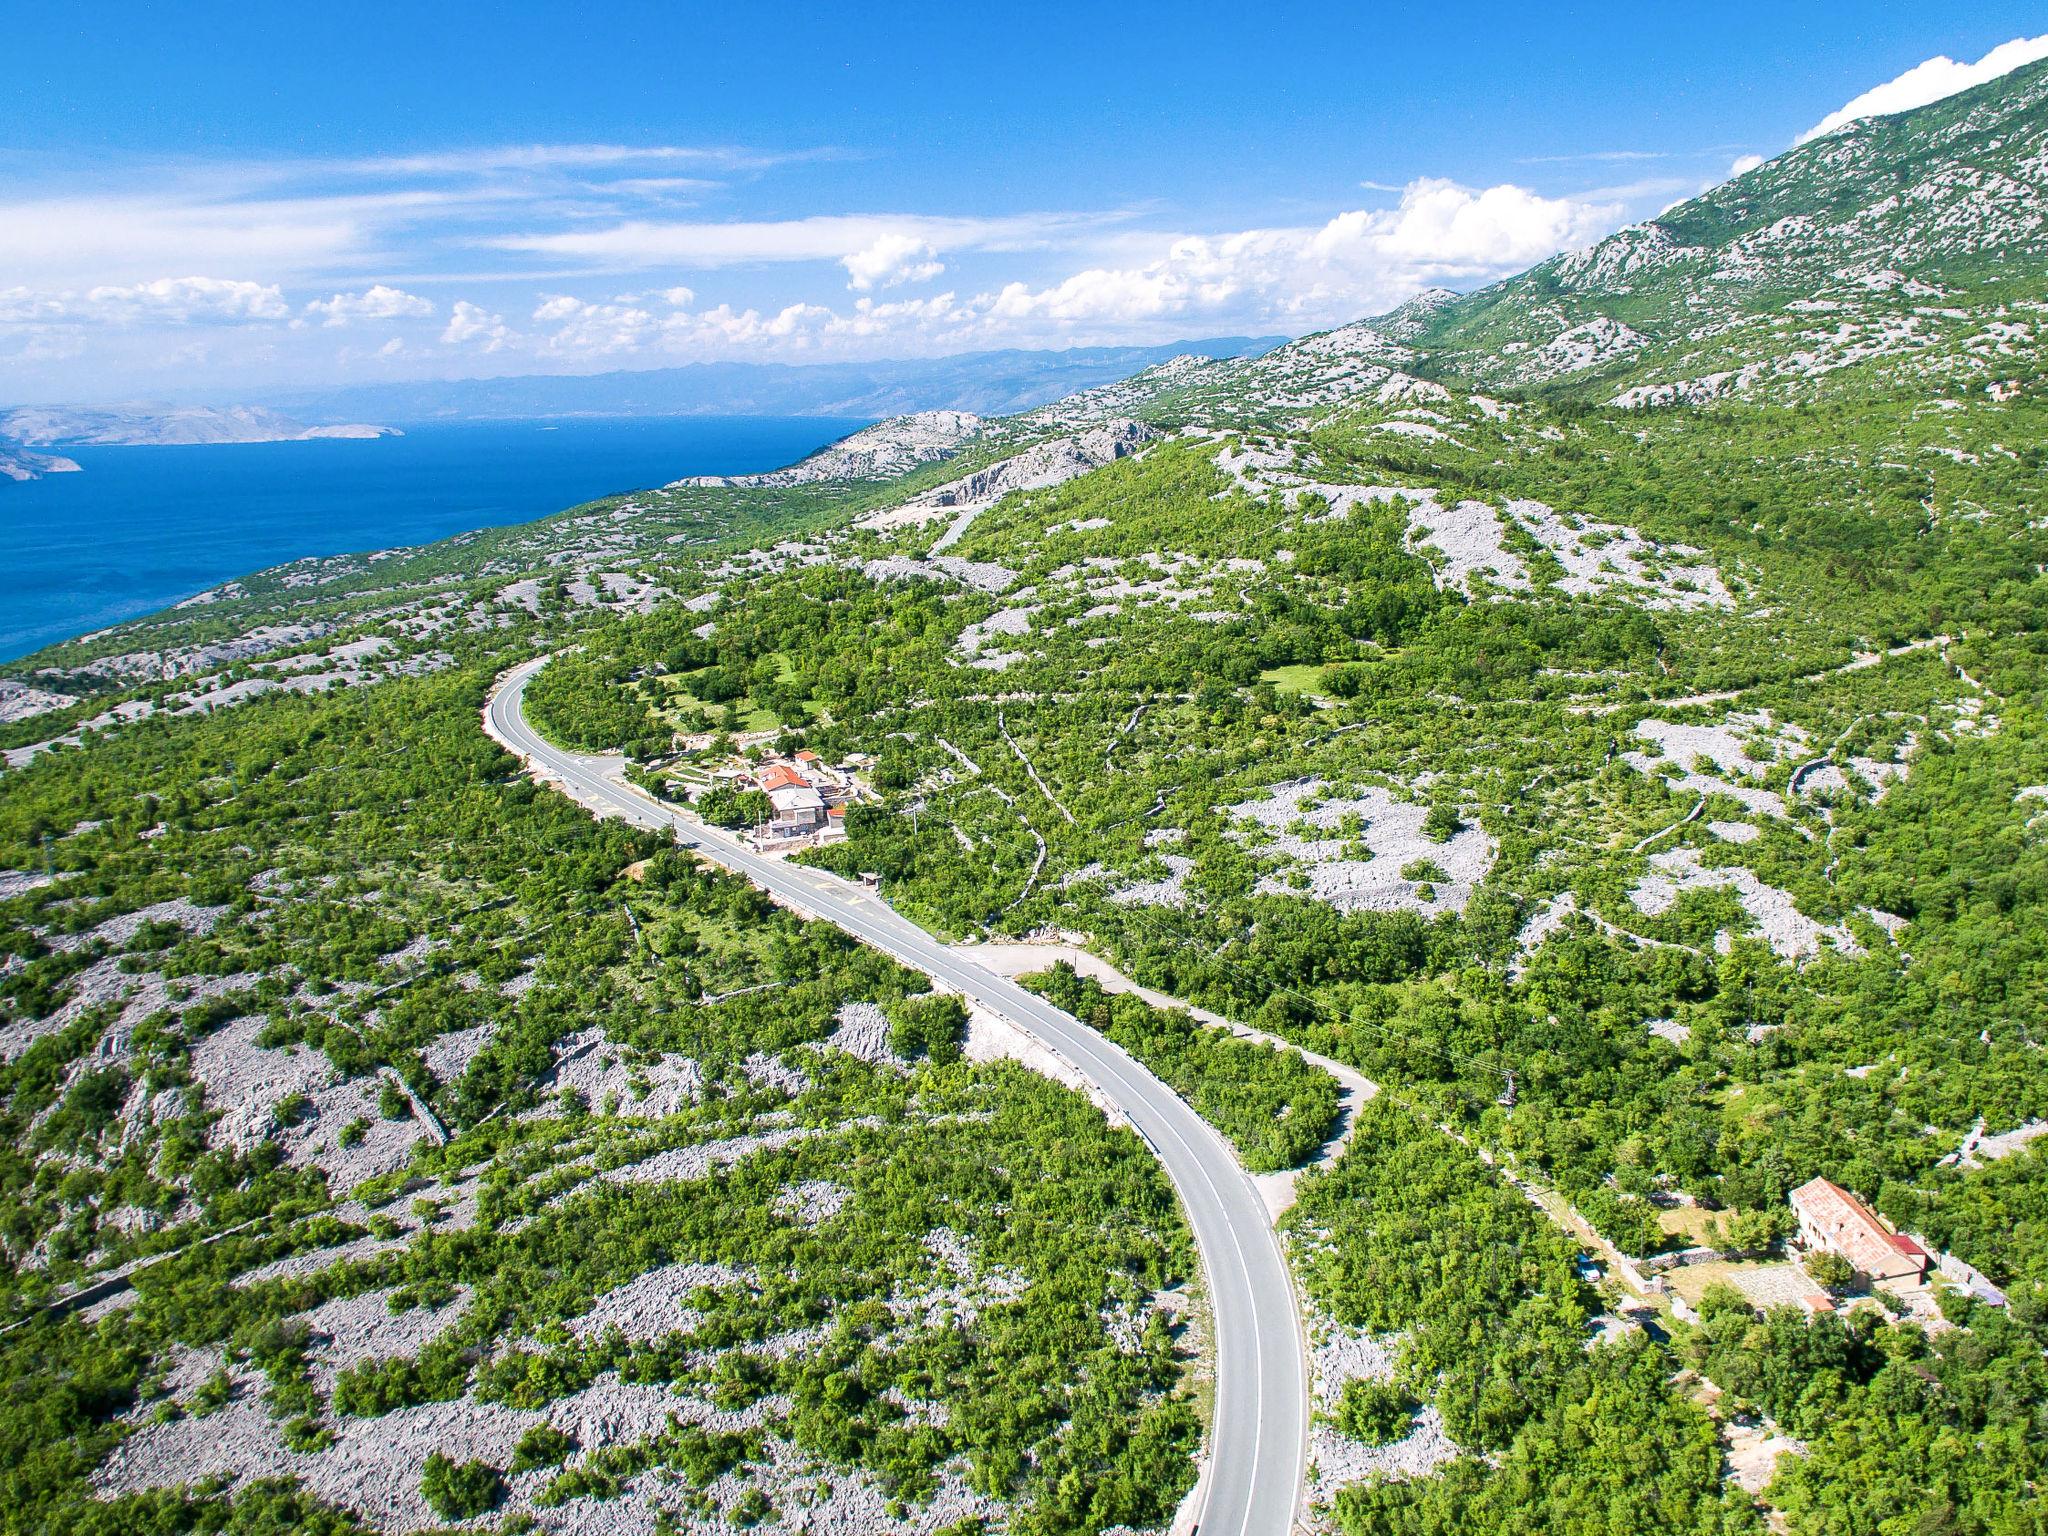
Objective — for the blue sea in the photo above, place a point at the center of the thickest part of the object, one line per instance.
(142, 528)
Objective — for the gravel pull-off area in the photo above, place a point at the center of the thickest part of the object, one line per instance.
(1391, 835)
(1790, 932)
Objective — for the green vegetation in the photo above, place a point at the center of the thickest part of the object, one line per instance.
(1374, 1412)
(1409, 1234)
(1277, 1110)
(460, 1491)
(1639, 770)
(931, 1026)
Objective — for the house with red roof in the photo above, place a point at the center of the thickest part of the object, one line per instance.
(1831, 1220)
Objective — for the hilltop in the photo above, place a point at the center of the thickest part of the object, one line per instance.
(1908, 243)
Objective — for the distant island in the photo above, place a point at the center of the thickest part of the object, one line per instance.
(19, 464)
(27, 428)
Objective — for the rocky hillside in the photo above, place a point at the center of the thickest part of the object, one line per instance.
(1916, 239)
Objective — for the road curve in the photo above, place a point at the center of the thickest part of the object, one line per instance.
(1259, 1438)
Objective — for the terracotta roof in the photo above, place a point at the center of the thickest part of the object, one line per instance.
(807, 756)
(782, 776)
(1849, 1228)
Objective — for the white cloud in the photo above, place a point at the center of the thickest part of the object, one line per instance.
(469, 323)
(890, 260)
(186, 301)
(794, 325)
(377, 302)
(113, 239)
(1744, 164)
(1930, 81)
(1452, 228)
(1357, 262)
(26, 306)
(823, 238)
(581, 157)
(595, 329)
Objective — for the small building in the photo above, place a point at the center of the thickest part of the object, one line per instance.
(782, 776)
(799, 810)
(1831, 1220)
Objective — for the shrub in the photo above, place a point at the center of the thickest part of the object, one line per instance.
(541, 1446)
(460, 1490)
(930, 1025)
(1375, 1412)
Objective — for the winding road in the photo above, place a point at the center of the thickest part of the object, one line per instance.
(1259, 1436)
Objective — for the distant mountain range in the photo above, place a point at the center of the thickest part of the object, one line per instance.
(985, 383)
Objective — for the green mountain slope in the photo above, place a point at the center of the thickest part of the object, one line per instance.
(1917, 239)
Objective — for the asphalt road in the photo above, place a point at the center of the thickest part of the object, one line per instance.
(1259, 1438)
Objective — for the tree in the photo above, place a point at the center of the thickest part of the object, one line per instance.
(1828, 1270)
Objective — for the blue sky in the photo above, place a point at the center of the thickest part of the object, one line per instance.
(219, 198)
